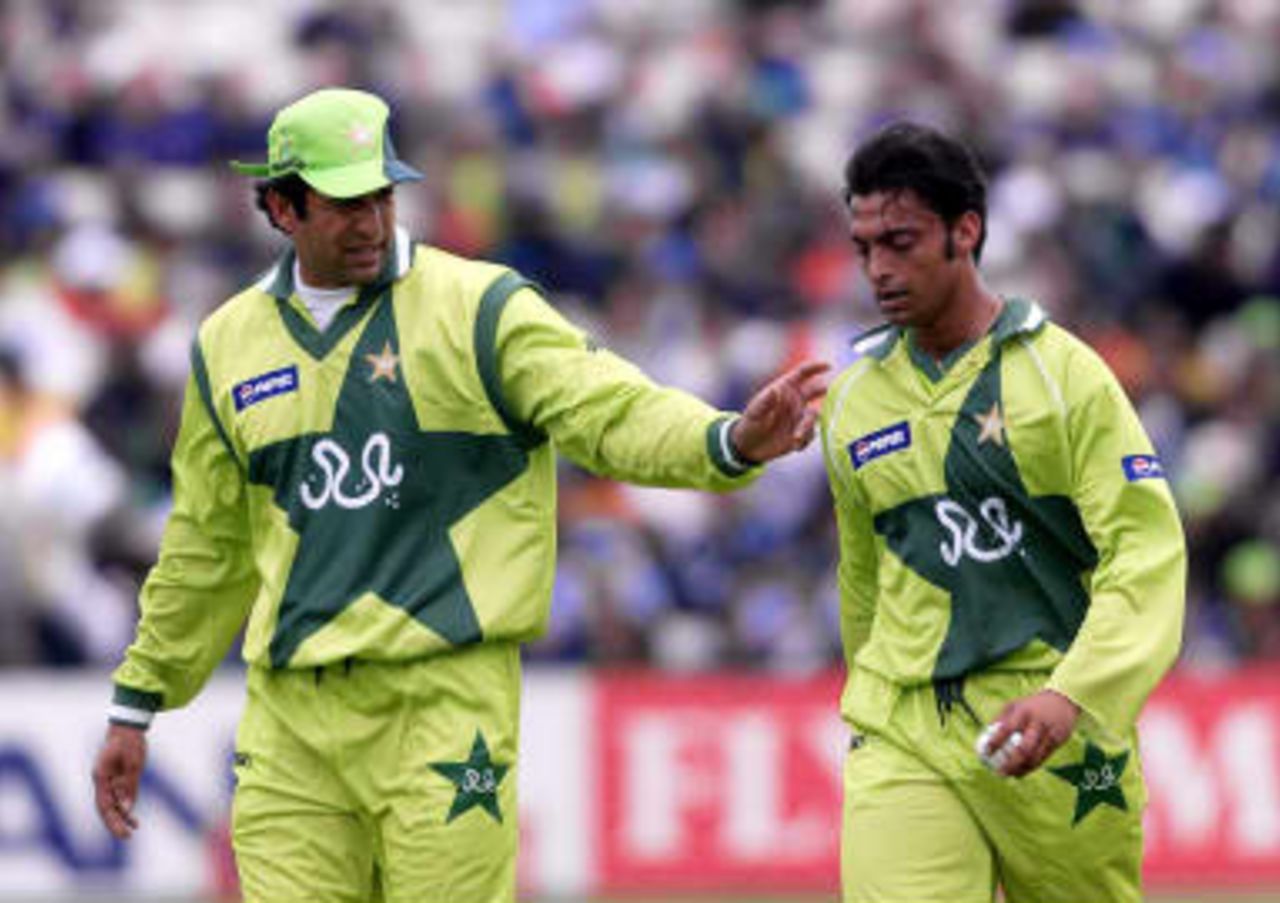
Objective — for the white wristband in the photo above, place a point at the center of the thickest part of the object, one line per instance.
(123, 714)
(727, 449)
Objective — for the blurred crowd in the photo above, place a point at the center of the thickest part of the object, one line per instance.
(671, 173)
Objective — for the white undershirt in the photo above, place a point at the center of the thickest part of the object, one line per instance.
(322, 303)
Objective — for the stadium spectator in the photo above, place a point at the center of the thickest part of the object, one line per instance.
(63, 490)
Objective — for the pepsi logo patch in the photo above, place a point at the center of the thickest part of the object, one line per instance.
(880, 443)
(268, 385)
(1142, 467)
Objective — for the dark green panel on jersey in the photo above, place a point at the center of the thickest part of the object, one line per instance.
(492, 303)
(1014, 564)
(373, 500)
(200, 372)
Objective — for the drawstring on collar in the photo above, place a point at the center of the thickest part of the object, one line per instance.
(949, 692)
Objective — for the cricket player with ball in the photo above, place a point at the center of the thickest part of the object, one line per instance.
(1012, 567)
(365, 477)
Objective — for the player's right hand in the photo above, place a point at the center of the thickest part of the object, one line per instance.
(116, 774)
(1026, 732)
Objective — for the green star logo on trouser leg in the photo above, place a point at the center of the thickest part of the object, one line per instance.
(1096, 779)
(476, 780)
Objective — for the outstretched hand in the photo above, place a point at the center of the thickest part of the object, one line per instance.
(115, 778)
(780, 418)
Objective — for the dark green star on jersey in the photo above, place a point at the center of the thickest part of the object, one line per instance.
(1013, 562)
(476, 779)
(1096, 779)
(373, 499)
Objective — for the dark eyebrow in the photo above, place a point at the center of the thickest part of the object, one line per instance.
(887, 236)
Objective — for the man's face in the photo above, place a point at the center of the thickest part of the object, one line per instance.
(910, 257)
(340, 242)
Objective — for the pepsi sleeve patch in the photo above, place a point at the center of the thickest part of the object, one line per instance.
(1142, 467)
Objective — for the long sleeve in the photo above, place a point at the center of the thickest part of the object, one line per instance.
(198, 594)
(856, 571)
(602, 412)
(1132, 631)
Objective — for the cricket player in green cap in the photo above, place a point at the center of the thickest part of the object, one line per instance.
(364, 479)
(1012, 567)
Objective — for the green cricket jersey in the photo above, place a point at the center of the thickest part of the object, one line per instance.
(385, 489)
(1007, 512)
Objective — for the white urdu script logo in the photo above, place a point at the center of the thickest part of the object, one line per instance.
(334, 463)
(963, 531)
(1103, 778)
(476, 780)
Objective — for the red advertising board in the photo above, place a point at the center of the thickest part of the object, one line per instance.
(729, 782)
(718, 782)
(1211, 754)
(628, 782)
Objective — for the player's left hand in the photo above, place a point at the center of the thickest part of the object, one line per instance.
(780, 417)
(1043, 722)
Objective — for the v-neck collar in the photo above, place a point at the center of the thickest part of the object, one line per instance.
(934, 368)
(278, 282)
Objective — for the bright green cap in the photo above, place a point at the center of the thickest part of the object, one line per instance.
(337, 140)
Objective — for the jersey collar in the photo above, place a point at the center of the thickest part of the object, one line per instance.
(278, 281)
(1019, 316)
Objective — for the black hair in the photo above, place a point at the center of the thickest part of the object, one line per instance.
(942, 171)
(291, 187)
